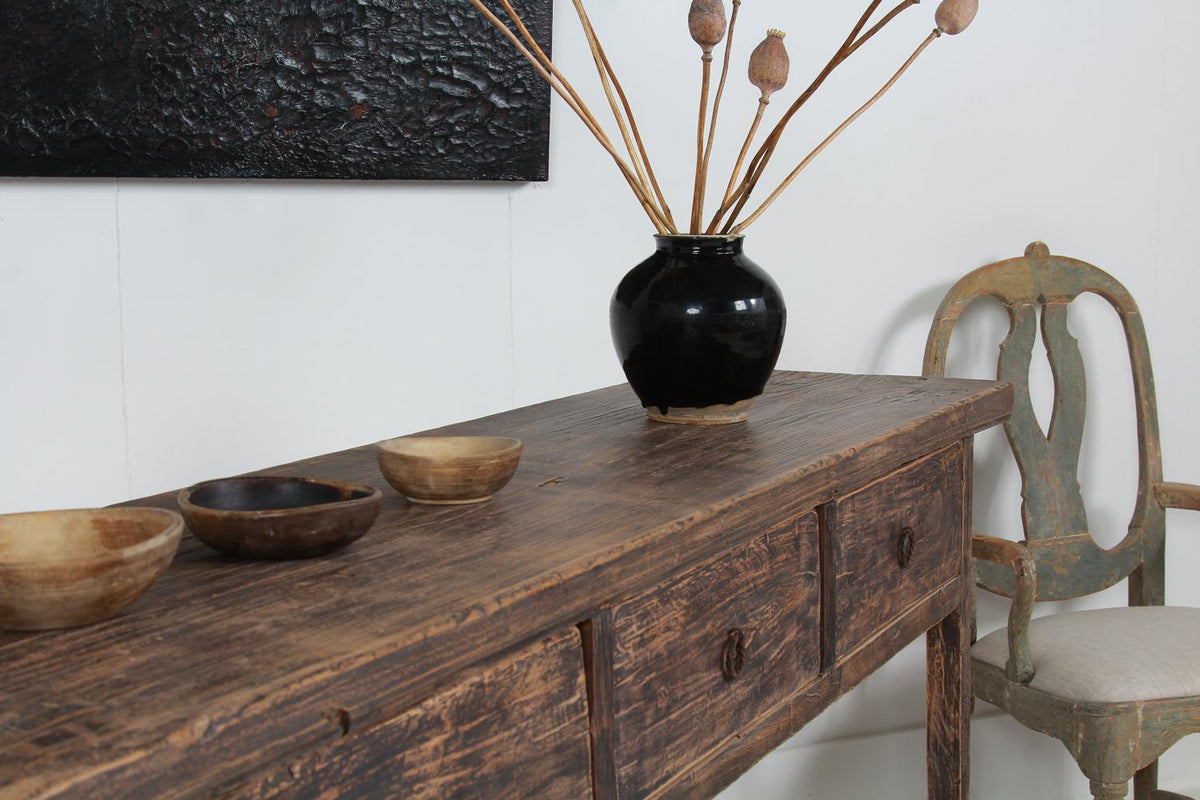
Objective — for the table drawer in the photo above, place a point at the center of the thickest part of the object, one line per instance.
(894, 541)
(703, 655)
(517, 727)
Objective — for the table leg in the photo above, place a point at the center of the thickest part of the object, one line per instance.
(948, 670)
(948, 696)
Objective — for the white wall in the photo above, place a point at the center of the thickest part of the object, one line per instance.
(156, 333)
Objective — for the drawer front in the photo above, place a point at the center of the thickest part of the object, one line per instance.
(517, 727)
(895, 541)
(701, 656)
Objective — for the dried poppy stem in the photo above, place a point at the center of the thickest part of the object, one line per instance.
(551, 75)
(613, 104)
(853, 42)
(704, 81)
(878, 26)
(712, 128)
(768, 71)
(737, 166)
(759, 163)
(769, 146)
(641, 160)
(740, 227)
(706, 23)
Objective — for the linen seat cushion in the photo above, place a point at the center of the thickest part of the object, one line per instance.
(1109, 655)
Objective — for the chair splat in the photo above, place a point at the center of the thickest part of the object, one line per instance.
(1040, 287)
(1049, 462)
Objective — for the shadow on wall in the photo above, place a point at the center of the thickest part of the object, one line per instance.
(916, 312)
(974, 349)
(973, 352)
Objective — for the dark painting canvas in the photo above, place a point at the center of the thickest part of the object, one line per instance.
(417, 89)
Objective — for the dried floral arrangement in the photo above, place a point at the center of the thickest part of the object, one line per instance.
(768, 72)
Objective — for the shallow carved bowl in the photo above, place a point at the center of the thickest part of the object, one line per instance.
(279, 518)
(59, 569)
(448, 470)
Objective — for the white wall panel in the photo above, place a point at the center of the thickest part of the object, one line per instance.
(266, 323)
(62, 429)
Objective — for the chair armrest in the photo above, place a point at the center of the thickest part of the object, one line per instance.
(1016, 557)
(1178, 495)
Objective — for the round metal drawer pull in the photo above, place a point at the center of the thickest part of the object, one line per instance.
(733, 658)
(905, 546)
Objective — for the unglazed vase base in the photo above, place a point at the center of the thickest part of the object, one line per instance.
(426, 502)
(708, 415)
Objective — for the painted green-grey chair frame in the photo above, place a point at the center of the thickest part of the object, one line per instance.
(1058, 560)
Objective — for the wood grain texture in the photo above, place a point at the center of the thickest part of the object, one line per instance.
(225, 668)
(673, 702)
(776, 725)
(827, 514)
(599, 643)
(1178, 495)
(520, 723)
(948, 694)
(871, 585)
(948, 736)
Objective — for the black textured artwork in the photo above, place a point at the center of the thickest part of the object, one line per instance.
(416, 89)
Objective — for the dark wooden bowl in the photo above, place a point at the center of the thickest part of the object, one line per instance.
(59, 569)
(279, 518)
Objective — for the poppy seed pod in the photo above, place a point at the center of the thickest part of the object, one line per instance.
(953, 16)
(769, 64)
(706, 21)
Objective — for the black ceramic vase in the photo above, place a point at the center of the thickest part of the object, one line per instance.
(698, 327)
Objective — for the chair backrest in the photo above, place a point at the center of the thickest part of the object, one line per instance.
(1069, 561)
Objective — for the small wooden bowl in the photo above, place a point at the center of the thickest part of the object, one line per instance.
(279, 518)
(59, 569)
(448, 470)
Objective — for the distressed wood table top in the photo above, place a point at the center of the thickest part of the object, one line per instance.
(224, 666)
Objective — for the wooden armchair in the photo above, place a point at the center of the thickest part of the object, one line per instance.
(1117, 686)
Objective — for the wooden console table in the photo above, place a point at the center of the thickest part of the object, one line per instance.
(646, 610)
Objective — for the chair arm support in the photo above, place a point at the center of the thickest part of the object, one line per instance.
(1178, 495)
(1016, 557)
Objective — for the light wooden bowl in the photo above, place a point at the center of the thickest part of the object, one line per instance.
(59, 569)
(448, 470)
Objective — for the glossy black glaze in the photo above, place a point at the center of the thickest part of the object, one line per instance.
(697, 324)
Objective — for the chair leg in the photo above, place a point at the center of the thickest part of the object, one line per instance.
(1145, 782)
(1109, 791)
